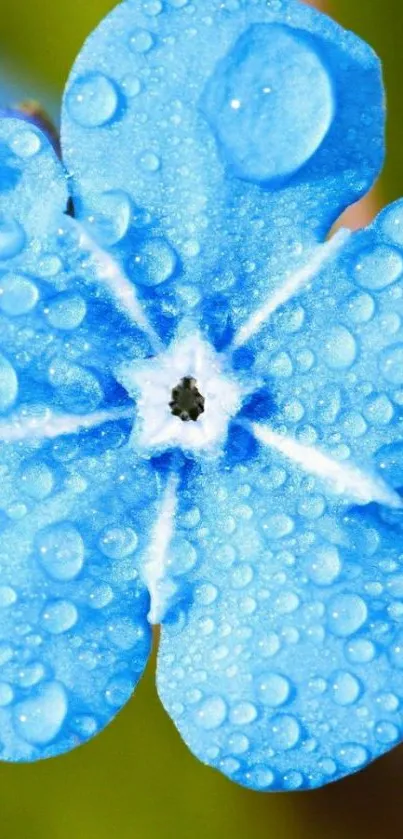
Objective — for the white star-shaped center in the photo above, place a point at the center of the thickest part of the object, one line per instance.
(152, 382)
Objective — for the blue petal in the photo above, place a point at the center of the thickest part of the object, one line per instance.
(75, 509)
(226, 147)
(281, 664)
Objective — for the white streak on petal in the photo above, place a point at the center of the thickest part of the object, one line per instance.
(160, 588)
(109, 272)
(49, 425)
(292, 286)
(345, 479)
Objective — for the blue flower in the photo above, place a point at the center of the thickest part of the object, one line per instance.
(201, 397)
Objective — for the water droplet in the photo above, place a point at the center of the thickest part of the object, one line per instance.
(149, 161)
(18, 295)
(155, 263)
(293, 780)
(238, 744)
(324, 566)
(110, 221)
(211, 713)
(118, 691)
(6, 694)
(7, 597)
(141, 41)
(26, 144)
(378, 267)
(60, 550)
(152, 7)
(67, 311)
(118, 542)
(284, 732)
(360, 651)
(360, 307)
(12, 237)
(345, 688)
(8, 384)
(339, 348)
(92, 100)
(243, 713)
(379, 410)
(391, 364)
(125, 634)
(261, 777)
(388, 702)
(352, 756)
(286, 602)
(392, 223)
(59, 616)
(131, 85)
(386, 732)
(273, 689)
(77, 388)
(39, 720)
(270, 116)
(278, 526)
(206, 594)
(346, 614)
(37, 480)
(241, 575)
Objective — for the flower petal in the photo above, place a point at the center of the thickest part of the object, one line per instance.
(281, 664)
(218, 131)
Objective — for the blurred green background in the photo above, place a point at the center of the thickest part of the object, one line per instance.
(137, 780)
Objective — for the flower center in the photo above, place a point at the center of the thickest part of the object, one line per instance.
(187, 402)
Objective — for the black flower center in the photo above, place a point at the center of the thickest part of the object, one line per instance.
(187, 402)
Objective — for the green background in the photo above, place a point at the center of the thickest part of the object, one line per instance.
(137, 780)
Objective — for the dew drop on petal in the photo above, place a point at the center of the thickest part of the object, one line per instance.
(8, 384)
(243, 713)
(273, 689)
(284, 732)
(59, 616)
(26, 144)
(12, 237)
(391, 364)
(141, 41)
(18, 295)
(154, 263)
(324, 566)
(378, 268)
(345, 688)
(211, 713)
(339, 348)
(352, 755)
(118, 542)
(60, 550)
(272, 73)
(39, 720)
(92, 100)
(346, 614)
(67, 311)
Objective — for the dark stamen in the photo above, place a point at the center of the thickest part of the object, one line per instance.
(187, 402)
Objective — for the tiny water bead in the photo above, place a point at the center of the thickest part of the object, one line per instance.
(272, 74)
(93, 100)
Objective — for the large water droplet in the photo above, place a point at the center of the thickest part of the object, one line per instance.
(118, 542)
(284, 732)
(360, 651)
(66, 311)
(378, 267)
(8, 384)
(273, 689)
(243, 713)
(61, 551)
(339, 348)
(26, 143)
(211, 713)
(346, 614)
(155, 262)
(324, 566)
(352, 756)
(18, 295)
(391, 364)
(39, 720)
(270, 102)
(92, 100)
(59, 616)
(12, 237)
(345, 688)
(110, 221)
